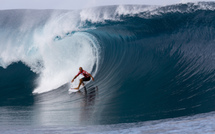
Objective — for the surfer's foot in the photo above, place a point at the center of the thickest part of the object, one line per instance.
(76, 88)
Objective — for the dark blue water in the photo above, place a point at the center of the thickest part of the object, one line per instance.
(17, 85)
(150, 65)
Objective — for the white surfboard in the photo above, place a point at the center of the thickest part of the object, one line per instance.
(73, 86)
(72, 90)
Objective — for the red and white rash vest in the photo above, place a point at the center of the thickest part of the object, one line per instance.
(84, 73)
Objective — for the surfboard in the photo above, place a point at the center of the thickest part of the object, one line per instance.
(73, 86)
(72, 90)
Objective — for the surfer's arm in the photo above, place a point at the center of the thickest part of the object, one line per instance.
(91, 76)
(76, 76)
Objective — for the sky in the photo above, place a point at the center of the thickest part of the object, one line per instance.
(79, 4)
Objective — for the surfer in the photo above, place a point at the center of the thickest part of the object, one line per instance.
(86, 77)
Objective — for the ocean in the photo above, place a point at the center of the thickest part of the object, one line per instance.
(154, 69)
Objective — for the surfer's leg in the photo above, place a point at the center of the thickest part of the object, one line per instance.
(81, 81)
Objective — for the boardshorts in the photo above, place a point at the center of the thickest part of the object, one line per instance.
(86, 79)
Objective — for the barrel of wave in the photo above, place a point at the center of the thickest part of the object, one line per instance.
(61, 60)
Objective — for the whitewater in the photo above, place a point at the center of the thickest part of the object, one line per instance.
(153, 66)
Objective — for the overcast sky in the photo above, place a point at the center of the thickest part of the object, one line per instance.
(79, 4)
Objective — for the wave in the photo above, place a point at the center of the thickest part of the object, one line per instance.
(149, 62)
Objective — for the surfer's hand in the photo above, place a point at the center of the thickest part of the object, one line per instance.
(72, 80)
(92, 78)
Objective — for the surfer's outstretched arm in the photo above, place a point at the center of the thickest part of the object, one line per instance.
(74, 78)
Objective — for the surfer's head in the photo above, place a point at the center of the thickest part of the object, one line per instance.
(80, 69)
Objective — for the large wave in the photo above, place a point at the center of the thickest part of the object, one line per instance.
(149, 62)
